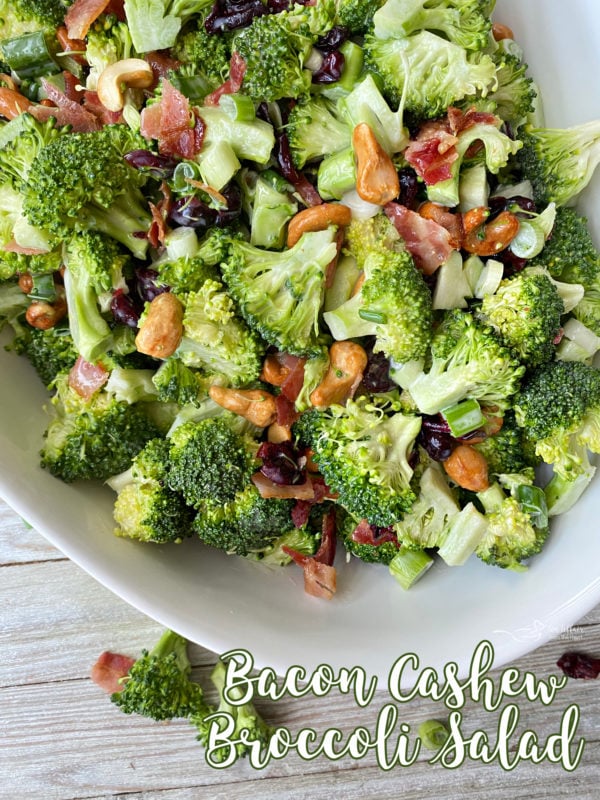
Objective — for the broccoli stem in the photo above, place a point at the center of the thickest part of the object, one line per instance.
(408, 566)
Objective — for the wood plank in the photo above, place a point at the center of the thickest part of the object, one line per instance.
(19, 543)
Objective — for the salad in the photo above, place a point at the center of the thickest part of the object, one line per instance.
(298, 275)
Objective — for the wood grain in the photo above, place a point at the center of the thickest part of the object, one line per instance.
(62, 739)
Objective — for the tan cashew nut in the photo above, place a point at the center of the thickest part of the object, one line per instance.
(347, 362)
(255, 405)
(162, 327)
(129, 72)
(317, 218)
(376, 176)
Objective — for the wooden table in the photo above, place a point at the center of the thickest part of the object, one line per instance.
(61, 738)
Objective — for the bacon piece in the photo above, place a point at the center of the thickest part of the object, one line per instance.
(459, 120)
(72, 87)
(150, 121)
(237, 70)
(177, 128)
(75, 47)
(269, 489)
(91, 102)
(301, 510)
(294, 381)
(161, 64)
(286, 411)
(81, 15)
(109, 668)
(364, 533)
(65, 111)
(427, 242)
(12, 247)
(319, 572)
(86, 378)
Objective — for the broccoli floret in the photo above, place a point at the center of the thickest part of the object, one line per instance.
(394, 305)
(302, 540)
(515, 96)
(208, 54)
(280, 294)
(185, 274)
(525, 311)
(247, 525)
(50, 352)
(357, 15)
(176, 383)
(13, 304)
(467, 360)
(587, 309)
(210, 461)
(25, 16)
(464, 22)
(21, 141)
(269, 205)
(79, 182)
(315, 129)
(559, 162)
(108, 41)
(512, 535)
(362, 450)
(92, 439)
(569, 254)
(145, 508)
(159, 685)
(559, 407)
(246, 719)
(425, 524)
(504, 450)
(155, 25)
(379, 546)
(216, 340)
(432, 72)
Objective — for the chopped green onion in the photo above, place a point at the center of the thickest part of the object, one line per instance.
(463, 417)
(433, 734)
(533, 501)
(238, 106)
(408, 566)
(43, 288)
(183, 173)
(372, 316)
(28, 55)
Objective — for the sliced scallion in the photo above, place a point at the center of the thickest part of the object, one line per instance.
(408, 566)
(463, 417)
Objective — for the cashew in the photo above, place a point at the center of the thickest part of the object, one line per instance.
(255, 405)
(468, 468)
(162, 327)
(487, 239)
(500, 31)
(12, 103)
(43, 316)
(376, 176)
(317, 218)
(130, 72)
(278, 433)
(274, 371)
(25, 282)
(347, 362)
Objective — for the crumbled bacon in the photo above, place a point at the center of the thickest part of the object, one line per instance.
(65, 111)
(92, 103)
(86, 378)
(109, 669)
(364, 533)
(428, 242)
(172, 122)
(237, 70)
(319, 573)
(286, 411)
(81, 15)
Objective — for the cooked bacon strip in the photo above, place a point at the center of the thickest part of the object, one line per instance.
(319, 572)
(66, 111)
(12, 247)
(286, 411)
(86, 378)
(75, 47)
(172, 122)
(432, 158)
(150, 121)
(364, 533)
(161, 64)
(91, 102)
(427, 242)
(81, 15)
(109, 668)
(237, 70)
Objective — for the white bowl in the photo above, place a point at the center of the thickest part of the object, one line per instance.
(226, 602)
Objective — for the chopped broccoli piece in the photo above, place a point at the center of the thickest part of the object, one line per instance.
(92, 439)
(587, 309)
(50, 352)
(25, 16)
(363, 450)
(357, 15)
(302, 540)
(316, 129)
(154, 25)
(210, 461)
(432, 72)
(108, 41)
(280, 294)
(464, 22)
(515, 96)
(247, 525)
(176, 383)
(525, 311)
(559, 162)
(159, 685)
(467, 360)
(21, 140)
(569, 254)
(208, 54)
(425, 525)
(504, 450)
(380, 550)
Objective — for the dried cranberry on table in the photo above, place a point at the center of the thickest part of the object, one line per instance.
(579, 665)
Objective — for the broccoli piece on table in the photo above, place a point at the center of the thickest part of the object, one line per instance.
(145, 508)
(247, 722)
(570, 254)
(210, 461)
(280, 294)
(363, 450)
(464, 22)
(159, 685)
(429, 71)
(80, 182)
(50, 352)
(247, 525)
(216, 340)
(525, 311)
(92, 439)
(513, 535)
(467, 360)
(559, 162)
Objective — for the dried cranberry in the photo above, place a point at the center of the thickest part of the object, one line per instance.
(146, 284)
(299, 181)
(192, 213)
(512, 263)
(409, 187)
(376, 377)
(227, 15)
(436, 439)
(160, 167)
(579, 665)
(330, 70)
(281, 463)
(514, 204)
(228, 215)
(333, 39)
(123, 310)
